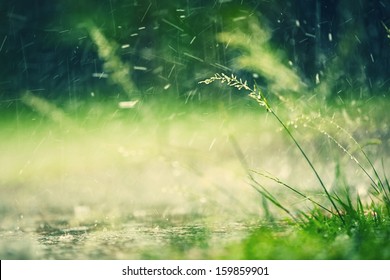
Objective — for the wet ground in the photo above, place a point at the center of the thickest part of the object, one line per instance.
(149, 185)
(146, 238)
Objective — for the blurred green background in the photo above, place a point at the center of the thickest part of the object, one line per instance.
(336, 48)
(110, 148)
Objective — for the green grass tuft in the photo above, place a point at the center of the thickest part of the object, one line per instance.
(346, 215)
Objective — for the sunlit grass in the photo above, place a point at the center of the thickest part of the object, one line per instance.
(117, 70)
(360, 220)
(260, 57)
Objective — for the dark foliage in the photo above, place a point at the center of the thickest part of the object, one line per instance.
(43, 47)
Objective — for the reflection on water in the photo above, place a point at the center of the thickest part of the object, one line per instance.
(188, 237)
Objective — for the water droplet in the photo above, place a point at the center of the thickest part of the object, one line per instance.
(317, 78)
(140, 68)
(372, 57)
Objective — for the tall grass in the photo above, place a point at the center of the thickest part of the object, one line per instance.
(349, 211)
(117, 70)
(253, 39)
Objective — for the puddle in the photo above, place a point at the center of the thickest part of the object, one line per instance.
(183, 237)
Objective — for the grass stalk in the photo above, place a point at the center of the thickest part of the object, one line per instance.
(378, 184)
(259, 97)
(310, 164)
(277, 180)
(254, 183)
